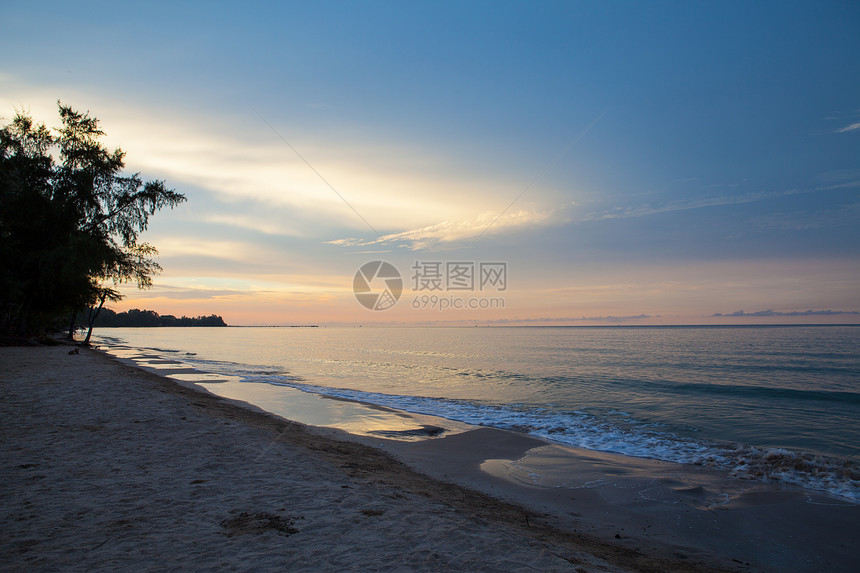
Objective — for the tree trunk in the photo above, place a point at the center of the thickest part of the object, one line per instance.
(91, 319)
(72, 325)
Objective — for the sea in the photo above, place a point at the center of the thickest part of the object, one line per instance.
(776, 404)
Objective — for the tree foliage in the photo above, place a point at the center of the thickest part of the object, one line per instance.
(69, 221)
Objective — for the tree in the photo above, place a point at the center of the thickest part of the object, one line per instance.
(69, 222)
(142, 318)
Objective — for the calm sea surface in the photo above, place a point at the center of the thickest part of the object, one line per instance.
(774, 403)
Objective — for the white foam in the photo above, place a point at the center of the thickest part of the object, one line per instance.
(814, 472)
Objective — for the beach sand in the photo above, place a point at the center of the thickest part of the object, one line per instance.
(108, 467)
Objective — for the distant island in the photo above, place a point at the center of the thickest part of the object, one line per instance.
(136, 317)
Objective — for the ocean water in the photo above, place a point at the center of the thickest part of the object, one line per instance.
(779, 404)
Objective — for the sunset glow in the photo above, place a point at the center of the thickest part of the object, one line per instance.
(629, 163)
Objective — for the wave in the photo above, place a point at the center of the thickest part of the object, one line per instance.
(737, 390)
(624, 435)
(766, 392)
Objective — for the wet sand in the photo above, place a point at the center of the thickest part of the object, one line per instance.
(674, 511)
(105, 467)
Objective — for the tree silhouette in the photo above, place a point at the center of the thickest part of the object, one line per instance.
(69, 226)
(139, 318)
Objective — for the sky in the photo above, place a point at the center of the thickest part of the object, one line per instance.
(537, 162)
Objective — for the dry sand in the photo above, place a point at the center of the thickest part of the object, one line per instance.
(107, 467)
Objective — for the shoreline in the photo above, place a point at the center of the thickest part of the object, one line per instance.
(384, 415)
(530, 521)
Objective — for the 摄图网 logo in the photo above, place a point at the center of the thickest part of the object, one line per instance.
(377, 285)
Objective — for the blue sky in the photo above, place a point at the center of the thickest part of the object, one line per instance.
(631, 162)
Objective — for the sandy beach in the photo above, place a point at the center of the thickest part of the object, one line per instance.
(109, 467)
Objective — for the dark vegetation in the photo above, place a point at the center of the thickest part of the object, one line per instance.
(69, 224)
(135, 317)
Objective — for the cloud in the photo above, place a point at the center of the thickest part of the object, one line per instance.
(703, 202)
(187, 293)
(804, 221)
(609, 318)
(449, 231)
(348, 242)
(391, 183)
(767, 313)
(175, 246)
(680, 205)
(351, 184)
(847, 128)
(251, 222)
